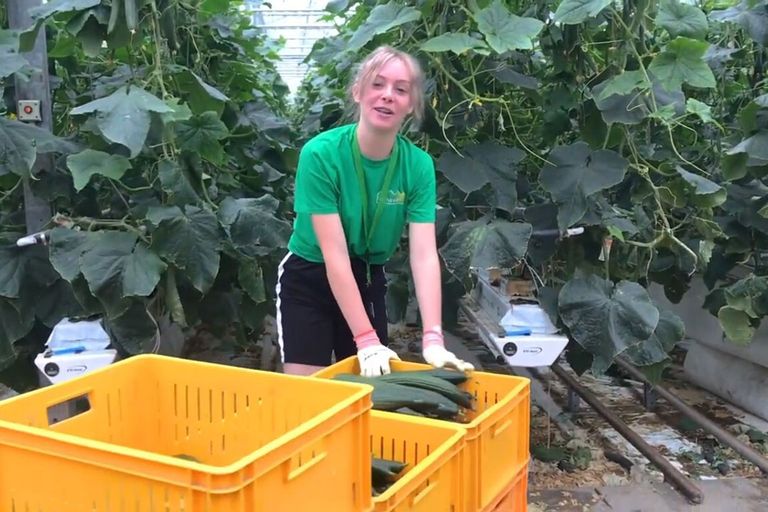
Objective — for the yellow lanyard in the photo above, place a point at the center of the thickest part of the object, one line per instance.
(368, 232)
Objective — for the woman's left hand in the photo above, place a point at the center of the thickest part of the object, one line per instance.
(435, 353)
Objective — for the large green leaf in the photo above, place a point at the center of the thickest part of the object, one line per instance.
(736, 324)
(751, 15)
(756, 146)
(337, 6)
(10, 60)
(15, 323)
(605, 319)
(744, 203)
(91, 37)
(202, 134)
(573, 12)
(133, 330)
(12, 267)
(699, 109)
(250, 275)
(457, 43)
(622, 84)
(65, 249)
(749, 295)
(124, 115)
(40, 13)
(382, 18)
(505, 31)
(100, 14)
(252, 225)
(20, 143)
(706, 192)
(201, 96)
(682, 19)
(746, 302)
(54, 302)
(682, 61)
(481, 245)
(54, 7)
(177, 183)
(260, 117)
(669, 331)
(117, 265)
(192, 241)
(506, 75)
(620, 104)
(487, 162)
(90, 162)
(576, 173)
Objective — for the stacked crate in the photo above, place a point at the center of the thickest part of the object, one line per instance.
(160, 433)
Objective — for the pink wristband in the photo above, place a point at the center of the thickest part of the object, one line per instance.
(431, 338)
(367, 339)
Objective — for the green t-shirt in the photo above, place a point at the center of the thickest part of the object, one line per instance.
(327, 182)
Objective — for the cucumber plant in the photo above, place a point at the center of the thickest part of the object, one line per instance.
(172, 143)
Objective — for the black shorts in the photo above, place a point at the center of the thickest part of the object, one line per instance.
(310, 325)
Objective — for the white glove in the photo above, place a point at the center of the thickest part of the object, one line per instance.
(435, 353)
(373, 356)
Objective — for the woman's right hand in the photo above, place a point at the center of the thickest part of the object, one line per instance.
(373, 356)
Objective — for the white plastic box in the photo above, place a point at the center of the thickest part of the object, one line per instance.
(74, 349)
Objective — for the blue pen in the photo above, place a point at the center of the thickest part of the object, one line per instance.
(519, 332)
(68, 350)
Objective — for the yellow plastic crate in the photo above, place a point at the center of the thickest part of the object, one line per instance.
(498, 432)
(515, 499)
(433, 452)
(265, 442)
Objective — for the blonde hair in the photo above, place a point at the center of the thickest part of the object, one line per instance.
(377, 59)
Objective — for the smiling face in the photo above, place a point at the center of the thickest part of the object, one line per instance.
(386, 97)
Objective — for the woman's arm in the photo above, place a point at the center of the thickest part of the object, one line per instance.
(425, 265)
(373, 356)
(333, 244)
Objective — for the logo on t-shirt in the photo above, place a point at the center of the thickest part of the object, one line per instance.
(393, 197)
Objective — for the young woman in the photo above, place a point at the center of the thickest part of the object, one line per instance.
(356, 187)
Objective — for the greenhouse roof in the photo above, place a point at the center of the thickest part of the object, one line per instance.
(298, 23)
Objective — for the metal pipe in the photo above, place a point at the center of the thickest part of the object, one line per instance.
(724, 436)
(684, 484)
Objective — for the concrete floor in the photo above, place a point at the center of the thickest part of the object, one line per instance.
(725, 495)
(722, 495)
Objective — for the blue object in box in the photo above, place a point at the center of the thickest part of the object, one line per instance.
(518, 332)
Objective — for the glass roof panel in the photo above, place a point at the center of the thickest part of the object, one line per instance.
(298, 23)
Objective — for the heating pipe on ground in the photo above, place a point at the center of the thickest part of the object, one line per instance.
(671, 474)
(716, 430)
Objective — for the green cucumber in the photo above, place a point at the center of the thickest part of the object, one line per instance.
(131, 14)
(391, 397)
(430, 382)
(453, 376)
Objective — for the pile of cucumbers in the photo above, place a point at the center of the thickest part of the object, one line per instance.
(429, 393)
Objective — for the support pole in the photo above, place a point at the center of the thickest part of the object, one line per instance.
(37, 211)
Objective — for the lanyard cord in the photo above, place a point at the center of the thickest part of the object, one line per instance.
(368, 232)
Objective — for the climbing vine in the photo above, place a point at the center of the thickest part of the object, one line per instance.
(171, 146)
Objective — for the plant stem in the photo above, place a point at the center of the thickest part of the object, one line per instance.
(158, 43)
(6, 195)
(91, 223)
